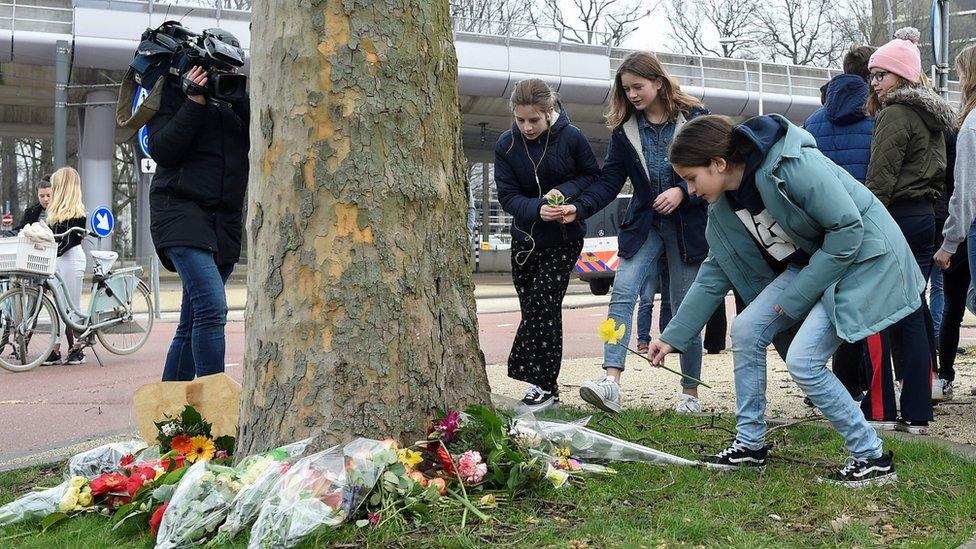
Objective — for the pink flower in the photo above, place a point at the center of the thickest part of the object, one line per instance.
(448, 426)
(374, 519)
(470, 468)
(221, 454)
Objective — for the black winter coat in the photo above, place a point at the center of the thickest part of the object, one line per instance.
(31, 215)
(567, 164)
(197, 195)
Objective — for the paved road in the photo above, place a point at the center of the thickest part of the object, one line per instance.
(55, 406)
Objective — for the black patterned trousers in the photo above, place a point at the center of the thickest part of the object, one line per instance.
(541, 278)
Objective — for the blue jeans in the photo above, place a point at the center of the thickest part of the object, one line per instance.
(753, 331)
(198, 346)
(971, 293)
(936, 300)
(645, 310)
(628, 282)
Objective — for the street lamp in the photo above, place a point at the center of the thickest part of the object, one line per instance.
(729, 40)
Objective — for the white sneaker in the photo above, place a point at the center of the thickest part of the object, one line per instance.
(947, 394)
(687, 404)
(603, 393)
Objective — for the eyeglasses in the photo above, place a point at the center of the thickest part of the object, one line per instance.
(878, 76)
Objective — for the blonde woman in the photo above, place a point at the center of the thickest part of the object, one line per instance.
(66, 211)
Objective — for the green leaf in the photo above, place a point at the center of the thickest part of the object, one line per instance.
(362, 523)
(51, 520)
(164, 492)
(131, 515)
(225, 443)
(190, 417)
(375, 500)
(123, 511)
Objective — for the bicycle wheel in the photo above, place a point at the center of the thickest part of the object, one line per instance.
(129, 335)
(28, 330)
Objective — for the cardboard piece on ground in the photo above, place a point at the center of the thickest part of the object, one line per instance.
(217, 397)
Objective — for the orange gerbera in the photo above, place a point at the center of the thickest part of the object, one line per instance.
(201, 447)
(180, 443)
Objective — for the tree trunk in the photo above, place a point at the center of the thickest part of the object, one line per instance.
(361, 312)
(8, 162)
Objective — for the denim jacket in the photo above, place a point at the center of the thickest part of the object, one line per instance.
(655, 139)
(626, 161)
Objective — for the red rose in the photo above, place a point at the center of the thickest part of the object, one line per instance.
(157, 518)
(127, 460)
(108, 483)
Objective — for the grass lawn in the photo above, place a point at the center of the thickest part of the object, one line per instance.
(933, 504)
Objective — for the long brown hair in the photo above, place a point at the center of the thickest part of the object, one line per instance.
(966, 64)
(532, 92)
(707, 137)
(645, 65)
(874, 102)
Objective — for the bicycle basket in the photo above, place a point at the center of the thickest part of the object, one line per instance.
(21, 255)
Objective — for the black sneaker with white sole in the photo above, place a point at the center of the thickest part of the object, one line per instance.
(738, 456)
(857, 473)
(538, 399)
(75, 356)
(53, 358)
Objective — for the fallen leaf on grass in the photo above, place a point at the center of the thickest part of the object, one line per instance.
(840, 522)
(532, 520)
(775, 517)
(578, 544)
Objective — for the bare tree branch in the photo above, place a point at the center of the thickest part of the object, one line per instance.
(691, 21)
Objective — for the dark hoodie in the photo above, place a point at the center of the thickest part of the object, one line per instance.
(842, 128)
(565, 162)
(908, 153)
(757, 136)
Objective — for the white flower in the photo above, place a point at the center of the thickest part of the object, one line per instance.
(525, 435)
(170, 429)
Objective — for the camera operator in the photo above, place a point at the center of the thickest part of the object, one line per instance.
(200, 146)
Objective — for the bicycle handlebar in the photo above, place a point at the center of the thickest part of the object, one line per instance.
(75, 230)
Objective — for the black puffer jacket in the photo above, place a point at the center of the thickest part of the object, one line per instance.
(31, 215)
(197, 195)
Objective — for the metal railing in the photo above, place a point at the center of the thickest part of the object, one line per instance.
(54, 16)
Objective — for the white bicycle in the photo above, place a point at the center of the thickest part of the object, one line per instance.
(36, 302)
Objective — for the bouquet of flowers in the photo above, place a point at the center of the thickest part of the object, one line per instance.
(191, 435)
(322, 489)
(258, 475)
(81, 490)
(198, 505)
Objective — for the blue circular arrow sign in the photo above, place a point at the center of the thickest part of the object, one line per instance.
(143, 134)
(102, 221)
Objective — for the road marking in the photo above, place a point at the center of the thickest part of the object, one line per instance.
(232, 364)
(598, 314)
(505, 325)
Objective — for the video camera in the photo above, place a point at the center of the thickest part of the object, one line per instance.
(173, 49)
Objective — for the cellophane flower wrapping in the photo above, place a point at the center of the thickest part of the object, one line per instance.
(104, 459)
(320, 490)
(258, 475)
(36, 505)
(198, 506)
(586, 443)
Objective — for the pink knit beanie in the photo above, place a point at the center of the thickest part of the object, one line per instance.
(900, 56)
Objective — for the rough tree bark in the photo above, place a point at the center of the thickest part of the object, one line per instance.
(361, 315)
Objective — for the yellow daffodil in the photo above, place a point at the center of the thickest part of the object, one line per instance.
(557, 477)
(409, 458)
(610, 332)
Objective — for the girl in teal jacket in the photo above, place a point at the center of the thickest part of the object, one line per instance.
(814, 255)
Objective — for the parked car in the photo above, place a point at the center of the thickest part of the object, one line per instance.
(598, 261)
